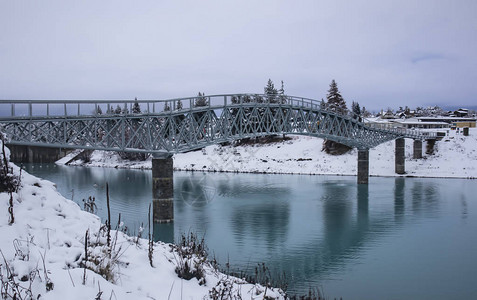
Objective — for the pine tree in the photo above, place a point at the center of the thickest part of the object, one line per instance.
(179, 105)
(201, 100)
(136, 109)
(336, 102)
(118, 110)
(322, 104)
(356, 110)
(365, 113)
(271, 92)
(167, 107)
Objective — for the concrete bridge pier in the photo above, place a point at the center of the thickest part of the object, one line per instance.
(417, 149)
(363, 166)
(399, 156)
(35, 154)
(162, 188)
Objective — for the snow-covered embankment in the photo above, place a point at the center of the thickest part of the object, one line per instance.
(454, 157)
(44, 254)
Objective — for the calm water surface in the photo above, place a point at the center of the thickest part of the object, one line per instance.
(397, 238)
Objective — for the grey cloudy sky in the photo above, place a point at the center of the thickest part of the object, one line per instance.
(381, 53)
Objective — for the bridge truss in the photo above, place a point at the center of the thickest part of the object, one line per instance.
(165, 127)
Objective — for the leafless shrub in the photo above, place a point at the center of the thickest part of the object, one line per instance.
(10, 284)
(90, 205)
(101, 258)
(226, 289)
(48, 283)
(191, 258)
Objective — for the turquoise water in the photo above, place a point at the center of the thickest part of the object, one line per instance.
(397, 238)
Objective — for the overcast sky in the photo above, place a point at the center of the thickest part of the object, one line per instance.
(381, 53)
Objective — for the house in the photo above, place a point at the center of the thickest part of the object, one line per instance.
(461, 113)
(456, 122)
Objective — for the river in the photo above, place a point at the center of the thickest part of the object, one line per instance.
(396, 238)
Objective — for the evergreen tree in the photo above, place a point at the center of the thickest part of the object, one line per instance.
(201, 100)
(118, 110)
(136, 109)
(179, 105)
(365, 113)
(322, 104)
(336, 102)
(271, 92)
(356, 110)
(167, 107)
(99, 111)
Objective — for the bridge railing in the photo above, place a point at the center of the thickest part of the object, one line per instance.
(11, 109)
(400, 130)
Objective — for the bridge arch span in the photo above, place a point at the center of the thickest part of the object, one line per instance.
(165, 127)
(180, 125)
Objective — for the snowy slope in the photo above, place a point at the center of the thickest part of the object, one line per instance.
(48, 225)
(455, 156)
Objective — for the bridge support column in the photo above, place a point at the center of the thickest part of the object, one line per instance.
(417, 149)
(162, 189)
(35, 154)
(400, 154)
(363, 166)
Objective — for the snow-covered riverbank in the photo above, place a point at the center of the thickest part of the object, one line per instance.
(454, 157)
(45, 247)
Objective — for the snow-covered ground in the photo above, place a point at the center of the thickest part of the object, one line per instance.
(455, 156)
(46, 243)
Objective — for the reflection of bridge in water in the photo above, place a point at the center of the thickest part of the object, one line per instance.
(349, 224)
(178, 125)
(349, 227)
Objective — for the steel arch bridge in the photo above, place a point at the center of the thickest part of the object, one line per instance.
(165, 127)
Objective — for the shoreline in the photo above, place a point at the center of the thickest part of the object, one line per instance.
(273, 173)
(453, 157)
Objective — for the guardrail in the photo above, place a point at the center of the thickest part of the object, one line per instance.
(69, 108)
(412, 133)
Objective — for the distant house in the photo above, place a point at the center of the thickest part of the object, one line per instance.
(419, 123)
(461, 112)
(458, 122)
(388, 115)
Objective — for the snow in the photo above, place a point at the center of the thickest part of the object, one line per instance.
(455, 157)
(47, 241)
